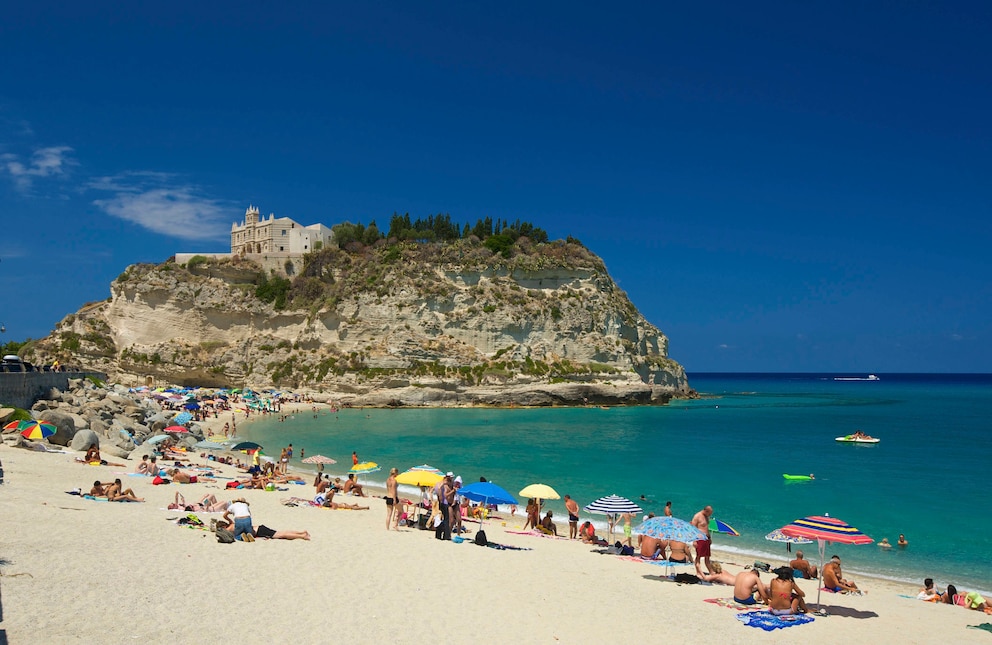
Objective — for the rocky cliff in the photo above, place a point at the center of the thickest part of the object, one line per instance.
(403, 323)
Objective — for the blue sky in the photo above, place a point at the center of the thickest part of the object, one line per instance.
(777, 187)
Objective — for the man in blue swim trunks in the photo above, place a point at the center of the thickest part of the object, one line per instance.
(746, 584)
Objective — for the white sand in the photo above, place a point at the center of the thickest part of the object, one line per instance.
(98, 572)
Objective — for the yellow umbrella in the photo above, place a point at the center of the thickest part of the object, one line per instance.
(539, 492)
(419, 478)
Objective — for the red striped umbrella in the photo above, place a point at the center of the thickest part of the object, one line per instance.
(176, 429)
(828, 529)
(825, 529)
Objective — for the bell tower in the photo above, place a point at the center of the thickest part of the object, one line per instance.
(251, 215)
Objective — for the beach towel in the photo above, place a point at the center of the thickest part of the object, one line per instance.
(768, 622)
(730, 603)
(984, 626)
(538, 534)
(846, 593)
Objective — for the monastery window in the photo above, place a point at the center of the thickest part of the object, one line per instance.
(283, 231)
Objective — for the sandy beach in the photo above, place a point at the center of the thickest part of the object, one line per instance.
(76, 570)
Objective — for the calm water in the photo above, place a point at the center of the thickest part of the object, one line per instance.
(927, 477)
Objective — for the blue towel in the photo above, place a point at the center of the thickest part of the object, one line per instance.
(767, 621)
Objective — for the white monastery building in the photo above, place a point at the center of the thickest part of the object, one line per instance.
(276, 235)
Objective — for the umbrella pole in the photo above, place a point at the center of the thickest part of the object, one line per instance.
(819, 582)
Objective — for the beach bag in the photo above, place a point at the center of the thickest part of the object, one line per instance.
(626, 550)
(763, 566)
(225, 536)
(480, 538)
(687, 578)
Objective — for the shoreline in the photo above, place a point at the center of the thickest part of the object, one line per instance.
(391, 577)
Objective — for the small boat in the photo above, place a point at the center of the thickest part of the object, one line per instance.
(856, 439)
(872, 377)
(798, 478)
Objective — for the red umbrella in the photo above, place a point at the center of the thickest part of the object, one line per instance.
(176, 429)
(825, 529)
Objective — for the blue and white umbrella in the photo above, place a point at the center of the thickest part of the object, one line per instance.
(612, 505)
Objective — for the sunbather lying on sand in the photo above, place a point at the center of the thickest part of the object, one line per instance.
(330, 503)
(718, 576)
(180, 477)
(93, 457)
(207, 504)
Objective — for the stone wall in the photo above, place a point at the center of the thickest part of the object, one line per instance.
(22, 389)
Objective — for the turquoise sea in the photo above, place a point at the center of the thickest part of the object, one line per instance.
(729, 448)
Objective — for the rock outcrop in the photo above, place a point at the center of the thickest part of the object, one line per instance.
(391, 324)
(111, 417)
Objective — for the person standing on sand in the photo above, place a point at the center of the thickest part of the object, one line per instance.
(701, 521)
(626, 528)
(573, 517)
(392, 501)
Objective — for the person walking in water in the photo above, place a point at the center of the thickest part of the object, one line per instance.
(354, 458)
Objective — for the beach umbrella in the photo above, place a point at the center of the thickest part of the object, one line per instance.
(719, 526)
(419, 478)
(670, 528)
(246, 445)
(430, 469)
(17, 426)
(365, 467)
(181, 418)
(824, 529)
(487, 493)
(209, 445)
(176, 429)
(192, 405)
(320, 460)
(38, 430)
(159, 438)
(612, 505)
(778, 536)
(539, 492)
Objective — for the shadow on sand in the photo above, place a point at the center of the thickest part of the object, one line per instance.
(845, 612)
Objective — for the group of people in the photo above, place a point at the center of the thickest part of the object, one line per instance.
(951, 596)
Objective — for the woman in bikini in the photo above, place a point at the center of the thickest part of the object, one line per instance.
(786, 596)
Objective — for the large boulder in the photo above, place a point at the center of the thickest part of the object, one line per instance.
(115, 451)
(65, 428)
(83, 440)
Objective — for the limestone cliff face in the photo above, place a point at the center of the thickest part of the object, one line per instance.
(409, 324)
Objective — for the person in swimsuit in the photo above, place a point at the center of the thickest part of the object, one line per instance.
(719, 576)
(802, 564)
(679, 552)
(573, 517)
(392, 501)
(701, 521)
(833, 578)
(627, 531)
(746, 584)
(785, 596)
(651, 548)
(115, 493)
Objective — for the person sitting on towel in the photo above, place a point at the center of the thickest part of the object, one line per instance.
(746, 584)
(785, 597)
(802, 564)
(547, 526)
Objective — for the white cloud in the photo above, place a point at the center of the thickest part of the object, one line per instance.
(155, 201)
(44, 162)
